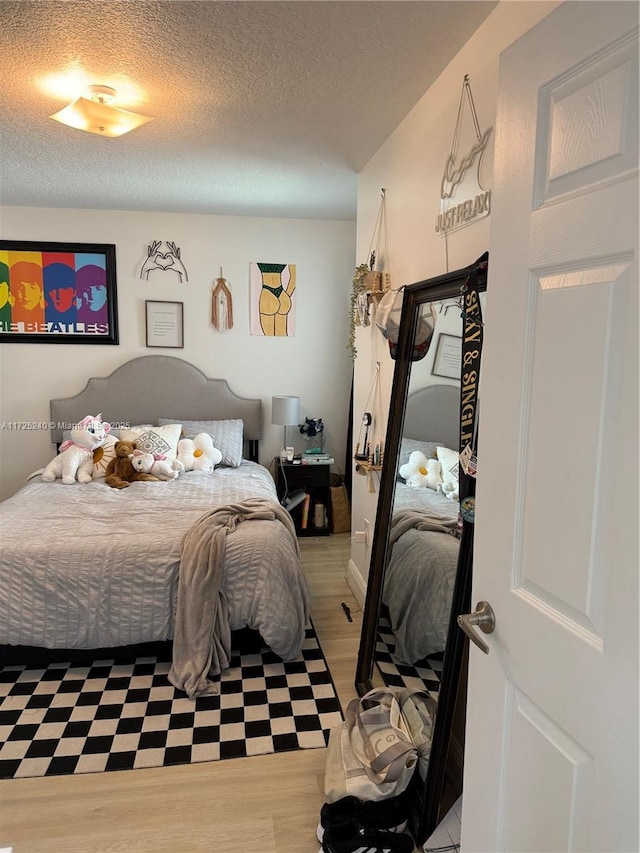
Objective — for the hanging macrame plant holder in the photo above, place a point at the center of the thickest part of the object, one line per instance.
(370, 284)
(369, 451)
(221, 305)
(378, 279)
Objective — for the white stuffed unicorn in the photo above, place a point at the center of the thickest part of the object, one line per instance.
(74, 462)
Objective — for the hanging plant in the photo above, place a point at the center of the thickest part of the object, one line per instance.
(358, 287)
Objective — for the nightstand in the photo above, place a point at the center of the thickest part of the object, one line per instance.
(315, 479)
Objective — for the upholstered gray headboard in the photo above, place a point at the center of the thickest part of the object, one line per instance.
(433, 414)
(145, 389)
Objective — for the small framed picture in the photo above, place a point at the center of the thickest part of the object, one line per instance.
(164, 324)
(448, 358)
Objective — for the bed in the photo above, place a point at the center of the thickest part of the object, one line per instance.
(424, 533)
(85, 566)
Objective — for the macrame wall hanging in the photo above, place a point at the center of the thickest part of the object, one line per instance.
(369, 449)
(379, 279)
(221, 305)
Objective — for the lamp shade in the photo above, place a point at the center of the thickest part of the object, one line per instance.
(285, 411)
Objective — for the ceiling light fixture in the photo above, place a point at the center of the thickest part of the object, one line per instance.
(94, 114)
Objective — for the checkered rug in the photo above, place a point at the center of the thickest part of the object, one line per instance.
(425, 673)
(111, 715)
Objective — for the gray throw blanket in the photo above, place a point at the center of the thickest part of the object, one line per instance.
(408, 519)
(418, 582)
(202, 635)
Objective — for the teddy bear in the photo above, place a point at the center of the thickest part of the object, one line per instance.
(150, 463)
(421, 472)
(198, 454)
(74, 462)
(120, 471)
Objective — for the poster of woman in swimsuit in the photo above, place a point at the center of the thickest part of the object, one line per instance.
(273, 305)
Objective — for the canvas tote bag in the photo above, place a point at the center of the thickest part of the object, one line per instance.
(371, 755)
(419, 711)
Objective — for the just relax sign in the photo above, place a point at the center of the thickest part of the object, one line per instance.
(463, 199)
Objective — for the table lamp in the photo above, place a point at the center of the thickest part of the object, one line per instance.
(285, 411)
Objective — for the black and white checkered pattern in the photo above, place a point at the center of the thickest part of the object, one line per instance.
(120, 716)
(426, 673)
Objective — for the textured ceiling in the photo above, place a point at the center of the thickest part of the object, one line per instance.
(260, 108)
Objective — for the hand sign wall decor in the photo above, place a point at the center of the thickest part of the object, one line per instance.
(169, 259)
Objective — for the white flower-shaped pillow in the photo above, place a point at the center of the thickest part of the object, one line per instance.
(422, 473)
(198, 454)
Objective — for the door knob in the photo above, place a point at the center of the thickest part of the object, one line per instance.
(484, 618)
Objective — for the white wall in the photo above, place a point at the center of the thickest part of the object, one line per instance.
(314, 364)
(410, 167)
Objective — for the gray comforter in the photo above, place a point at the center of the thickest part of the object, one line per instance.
(421, 571)
(87, 566)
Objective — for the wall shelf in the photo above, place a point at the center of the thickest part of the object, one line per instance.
(367, 466)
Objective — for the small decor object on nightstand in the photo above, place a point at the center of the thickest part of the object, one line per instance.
(313, 431)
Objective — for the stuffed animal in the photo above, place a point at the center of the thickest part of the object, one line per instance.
(198, 454)
(421, 472)
(150, 463)
(450, 490)
(120, 471)
(74, 462)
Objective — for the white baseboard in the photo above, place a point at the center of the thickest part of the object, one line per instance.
(356, 582)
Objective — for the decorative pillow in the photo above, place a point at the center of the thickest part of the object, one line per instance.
(450, 461)
(410, 445)
(102, 456)
(422, 473)
(198, 454)
(227, 436)
(162, 440)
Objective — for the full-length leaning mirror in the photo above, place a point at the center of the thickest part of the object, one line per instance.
(420, 571)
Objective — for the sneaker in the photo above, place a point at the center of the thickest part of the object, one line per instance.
(389, 815)
(351, 837)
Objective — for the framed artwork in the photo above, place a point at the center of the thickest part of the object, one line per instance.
(58, 293)
(164, 324)
(273, 299)
(447, 360)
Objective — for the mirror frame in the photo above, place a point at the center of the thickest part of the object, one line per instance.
(424, 798)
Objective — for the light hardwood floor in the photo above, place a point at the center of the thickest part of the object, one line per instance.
(269, 803)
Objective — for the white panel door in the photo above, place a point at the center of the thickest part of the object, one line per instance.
(551, 761)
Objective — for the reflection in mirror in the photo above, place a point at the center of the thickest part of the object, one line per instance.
(420, 571)
(421, 568)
